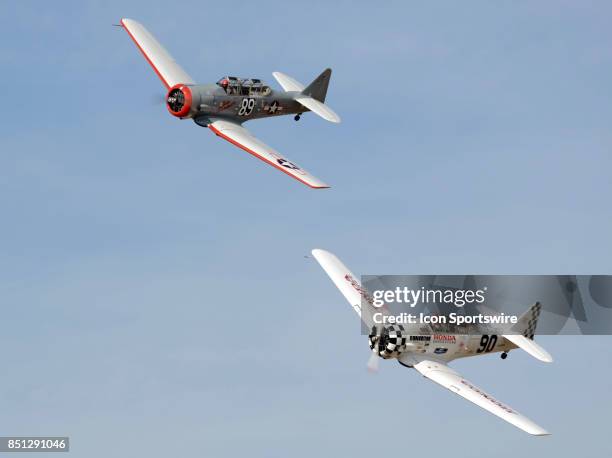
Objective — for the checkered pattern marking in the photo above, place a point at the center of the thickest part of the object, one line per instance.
(532, 321)
(390, 342)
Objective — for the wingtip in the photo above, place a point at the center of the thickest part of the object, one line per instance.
(540, 432)
(125, 21)
(543, 355)
(320, 253)
(318, 184)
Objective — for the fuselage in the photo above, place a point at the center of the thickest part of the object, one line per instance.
(204, 101)
(444, 347)
(244, 107)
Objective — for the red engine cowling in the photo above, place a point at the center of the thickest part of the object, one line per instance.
(179, 100)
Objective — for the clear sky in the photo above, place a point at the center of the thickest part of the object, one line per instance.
(155, 296)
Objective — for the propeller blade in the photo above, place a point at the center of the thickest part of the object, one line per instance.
(157, 99)
(373, 362)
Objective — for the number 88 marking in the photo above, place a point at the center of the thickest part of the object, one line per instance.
(246, 107)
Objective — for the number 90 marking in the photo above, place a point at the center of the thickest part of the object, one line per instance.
(246, 107)
(487, 343)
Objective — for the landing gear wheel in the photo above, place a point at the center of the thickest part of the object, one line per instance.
(504, 355)
(297, 116)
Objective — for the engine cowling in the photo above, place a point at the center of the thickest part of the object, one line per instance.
(179, 101)
(388, 341)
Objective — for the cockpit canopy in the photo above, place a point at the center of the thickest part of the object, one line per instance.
(240, 86)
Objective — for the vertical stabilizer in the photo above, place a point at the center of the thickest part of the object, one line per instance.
(318, 88)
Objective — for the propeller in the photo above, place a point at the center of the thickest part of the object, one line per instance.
(158, 99)
(373, 362)
(379, 345)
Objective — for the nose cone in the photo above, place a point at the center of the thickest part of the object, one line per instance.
(179, 100)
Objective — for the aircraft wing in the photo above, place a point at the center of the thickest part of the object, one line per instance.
(162, 62)
(453, 381)
(242, 138)
(349, 285)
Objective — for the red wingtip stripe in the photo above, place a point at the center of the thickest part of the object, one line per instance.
(145, 56)
(250, 151)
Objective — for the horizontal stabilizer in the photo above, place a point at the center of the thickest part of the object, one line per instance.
(319, 108)
(288, 83)
(530, 347)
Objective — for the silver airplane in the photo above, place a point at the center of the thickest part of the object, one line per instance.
(224, 106)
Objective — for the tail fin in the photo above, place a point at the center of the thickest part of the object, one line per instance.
(311, 97)
(318, 88)
(528, 321)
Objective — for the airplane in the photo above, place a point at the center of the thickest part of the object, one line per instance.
(430, 354)
(224, 106)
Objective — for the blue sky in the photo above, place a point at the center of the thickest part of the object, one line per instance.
(153, 277)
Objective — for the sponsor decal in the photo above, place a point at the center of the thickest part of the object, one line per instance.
(443, 338)
(420, 338)
(486, 396)
(361, 290)
(440, 351)
(225, 105)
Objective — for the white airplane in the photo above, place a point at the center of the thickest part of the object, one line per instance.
(429, 354)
